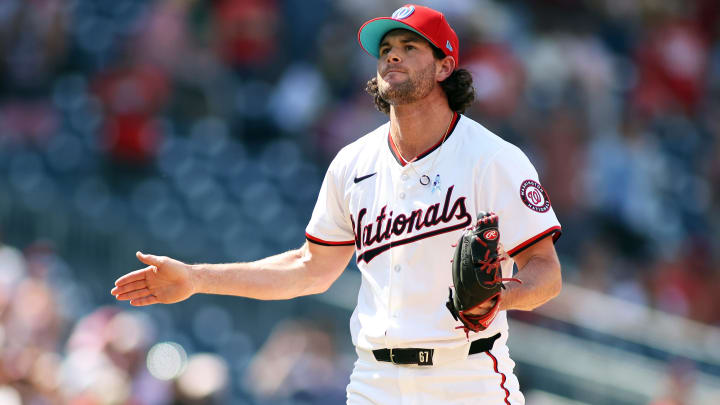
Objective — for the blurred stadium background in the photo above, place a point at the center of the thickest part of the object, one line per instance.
(201, 130)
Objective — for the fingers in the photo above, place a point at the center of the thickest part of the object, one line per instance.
(133, 295)
(134, 276)
(133, 286)
(149, 259)
(129, 287)
(141, 302)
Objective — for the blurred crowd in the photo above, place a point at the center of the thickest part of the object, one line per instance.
(207, 126)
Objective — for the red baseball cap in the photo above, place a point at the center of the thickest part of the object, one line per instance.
(424, 21)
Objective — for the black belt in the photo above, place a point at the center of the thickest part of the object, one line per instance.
(424, 357)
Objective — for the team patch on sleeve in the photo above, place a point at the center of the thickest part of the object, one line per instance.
(534, 196)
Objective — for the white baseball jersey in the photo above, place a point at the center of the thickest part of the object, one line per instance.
(403, 230)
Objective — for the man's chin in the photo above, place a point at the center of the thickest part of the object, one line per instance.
(396, 95)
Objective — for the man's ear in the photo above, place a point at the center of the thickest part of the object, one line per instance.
(445, 67)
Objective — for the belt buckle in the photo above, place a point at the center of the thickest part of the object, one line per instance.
(392, 357)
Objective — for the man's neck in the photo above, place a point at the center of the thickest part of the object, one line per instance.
(418, 126)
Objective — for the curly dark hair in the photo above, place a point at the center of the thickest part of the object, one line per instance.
(458, 88)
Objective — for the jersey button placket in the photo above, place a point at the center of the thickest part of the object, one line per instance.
(402, 189)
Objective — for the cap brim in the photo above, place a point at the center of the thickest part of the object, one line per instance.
(373, 31)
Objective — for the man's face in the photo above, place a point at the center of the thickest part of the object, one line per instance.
(406, 67)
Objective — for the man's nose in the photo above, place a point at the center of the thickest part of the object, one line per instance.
(393, 57)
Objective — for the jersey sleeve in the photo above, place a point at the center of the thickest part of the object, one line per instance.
(330, 222)
(512, 189)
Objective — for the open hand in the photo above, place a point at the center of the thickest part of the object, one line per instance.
(163, 281)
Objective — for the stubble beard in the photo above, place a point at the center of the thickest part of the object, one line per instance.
(416, 87)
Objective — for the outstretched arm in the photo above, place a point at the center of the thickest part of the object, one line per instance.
(308, 270)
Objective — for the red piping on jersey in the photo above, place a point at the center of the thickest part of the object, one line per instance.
(403, 162)
(502, 377)
(328, 243)
(556, 231)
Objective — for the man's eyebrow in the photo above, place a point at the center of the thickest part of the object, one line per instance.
(403, 40)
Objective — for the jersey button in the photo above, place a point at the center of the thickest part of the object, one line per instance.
(398, 268)
(402, 195)
(404, 177)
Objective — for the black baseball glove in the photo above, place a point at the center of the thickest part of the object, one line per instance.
(476, 273)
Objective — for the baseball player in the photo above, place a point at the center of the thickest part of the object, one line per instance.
(398, 198)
